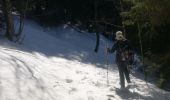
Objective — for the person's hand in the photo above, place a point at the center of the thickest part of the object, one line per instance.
(107, 50)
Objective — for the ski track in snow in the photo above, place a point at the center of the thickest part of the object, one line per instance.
(63, 68)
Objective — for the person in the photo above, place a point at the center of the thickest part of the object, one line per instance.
(121, 46)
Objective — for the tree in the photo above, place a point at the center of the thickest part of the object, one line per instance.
(6, 4)
(21, 6)
(151, 19)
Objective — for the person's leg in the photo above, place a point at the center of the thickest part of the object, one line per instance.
(121, 75)
(126, 72)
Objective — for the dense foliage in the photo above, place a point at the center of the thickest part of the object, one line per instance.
(151, 17)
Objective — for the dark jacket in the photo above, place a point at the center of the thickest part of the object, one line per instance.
(119, 47)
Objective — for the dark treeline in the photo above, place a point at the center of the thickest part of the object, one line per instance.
(150, 19)
(145, 20)
(85, 12)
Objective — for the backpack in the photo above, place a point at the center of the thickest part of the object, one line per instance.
(130, 57)
(127, 55)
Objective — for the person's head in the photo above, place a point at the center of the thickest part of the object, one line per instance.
(119, 36)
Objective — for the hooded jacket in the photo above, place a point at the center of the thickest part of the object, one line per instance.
(120, 46)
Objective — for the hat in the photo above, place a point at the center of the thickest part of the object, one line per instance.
(119, 35)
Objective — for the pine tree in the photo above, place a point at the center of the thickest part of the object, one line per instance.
(151, 17)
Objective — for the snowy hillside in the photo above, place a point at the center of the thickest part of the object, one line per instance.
(60, 64)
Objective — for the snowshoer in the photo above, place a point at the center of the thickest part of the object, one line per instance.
(122, 48)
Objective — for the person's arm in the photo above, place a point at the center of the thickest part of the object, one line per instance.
(112, 50)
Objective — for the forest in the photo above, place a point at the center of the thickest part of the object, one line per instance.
(146, 23)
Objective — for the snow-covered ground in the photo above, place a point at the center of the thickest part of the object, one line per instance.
(60, 64)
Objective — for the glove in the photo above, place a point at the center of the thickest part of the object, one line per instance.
(107, 50)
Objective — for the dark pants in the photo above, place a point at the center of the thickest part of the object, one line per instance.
(123, 71)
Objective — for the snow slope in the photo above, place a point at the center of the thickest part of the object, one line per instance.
(59, 64)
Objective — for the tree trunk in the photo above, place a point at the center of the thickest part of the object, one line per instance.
(21, 25)
(9, 20)
(97, 42)
(96, 26)
(141, 49)
(122, 19)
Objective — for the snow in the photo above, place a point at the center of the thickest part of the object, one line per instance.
(60, 64)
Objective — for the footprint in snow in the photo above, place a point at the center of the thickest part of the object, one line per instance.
(110, 96)
(72, 89)
(69, 80)
(109, 99)
(112, 88)
(81, 72)
(56, 84)
(84, 78)
(90, 98)
(98, 84)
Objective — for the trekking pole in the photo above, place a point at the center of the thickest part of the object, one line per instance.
(107, 64)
